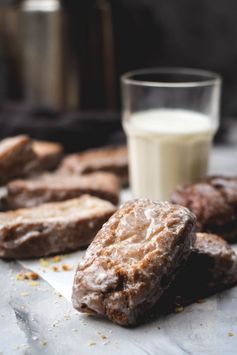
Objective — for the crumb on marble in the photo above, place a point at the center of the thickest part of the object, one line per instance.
(24, 294)
(43, 342)
(27, 276)
(102, 336)
(91, 343)
(32, 276)
(57, 258)
(230, 334)
(20, 276)
(58, 294)
(179, 309)
(44, 262)
(33, 283)
(66, 267)
(55, 323)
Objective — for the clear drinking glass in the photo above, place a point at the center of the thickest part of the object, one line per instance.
(170, 116)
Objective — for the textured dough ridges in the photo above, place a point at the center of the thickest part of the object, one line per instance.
(109, 159)
(133, 259)
(53, 187)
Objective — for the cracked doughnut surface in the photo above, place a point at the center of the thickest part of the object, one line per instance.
(214, 202)
(132, 260)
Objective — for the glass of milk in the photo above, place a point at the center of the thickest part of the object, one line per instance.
(170, 116)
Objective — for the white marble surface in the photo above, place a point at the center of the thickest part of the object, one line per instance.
(224, 160)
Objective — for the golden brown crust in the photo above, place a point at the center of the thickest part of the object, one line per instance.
(54, 187)
(110, 159)
(52, 228)
(16, 158)
(49, 155)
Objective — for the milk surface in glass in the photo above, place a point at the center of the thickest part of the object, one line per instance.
(167, 147)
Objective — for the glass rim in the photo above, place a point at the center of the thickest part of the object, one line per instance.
(209, 77)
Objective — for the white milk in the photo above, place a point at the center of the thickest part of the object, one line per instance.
(167, 147)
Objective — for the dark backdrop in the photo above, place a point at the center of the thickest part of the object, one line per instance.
(189, 33)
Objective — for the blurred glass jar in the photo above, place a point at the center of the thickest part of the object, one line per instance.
(49, 67)
(65, 57)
